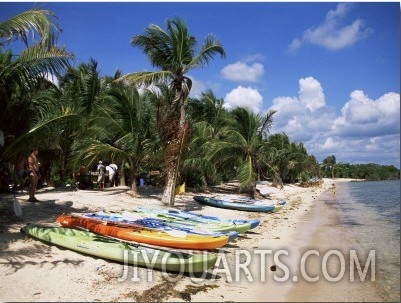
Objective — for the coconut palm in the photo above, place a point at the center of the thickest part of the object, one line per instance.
(22, 75)
(329, 165)
(288, 158)
(298, 157)
(122, 129)
(279, 154)
(207, 117)
(242, 145)
(208, 109)
(173, 51)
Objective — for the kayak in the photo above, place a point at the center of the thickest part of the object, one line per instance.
(144, 235)
(201, 221)
(235, 205)
(155, 223)
(110, 249)
(278, 205)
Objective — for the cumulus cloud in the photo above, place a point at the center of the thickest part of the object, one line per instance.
(332, 34)
(244, 97)
(366, 130)
(362, 116)
(304, 116)
(242, 71)
(311, 93)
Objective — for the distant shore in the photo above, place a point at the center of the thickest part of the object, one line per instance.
(44, 272)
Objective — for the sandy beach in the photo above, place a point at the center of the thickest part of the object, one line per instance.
(247, 269)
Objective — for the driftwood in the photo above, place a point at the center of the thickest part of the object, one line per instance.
(312, 183)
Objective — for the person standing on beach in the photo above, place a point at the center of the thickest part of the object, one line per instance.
(34, 175)
(101, 171)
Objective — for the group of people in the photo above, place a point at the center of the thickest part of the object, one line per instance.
(28, 167)
(111, 170)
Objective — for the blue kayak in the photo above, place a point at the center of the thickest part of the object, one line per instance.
(235, 205)
(278, 205)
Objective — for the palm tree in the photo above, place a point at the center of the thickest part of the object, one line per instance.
(286, 157)
(242, 145)
(173, 51)
(206, 117)
(208, 109)
(329, 165)
(299, 160)
(122, 129)
(23, 75)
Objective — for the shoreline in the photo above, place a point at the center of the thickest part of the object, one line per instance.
(328, 236)
(44, 272)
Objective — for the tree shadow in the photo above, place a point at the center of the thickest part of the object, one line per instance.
(14, 256)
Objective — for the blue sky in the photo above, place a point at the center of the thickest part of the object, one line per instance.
(331, 69)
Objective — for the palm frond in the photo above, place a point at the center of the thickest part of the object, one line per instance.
(146, 78)
(31, 22)
(246, 175)
(210, 48)
(37, 60)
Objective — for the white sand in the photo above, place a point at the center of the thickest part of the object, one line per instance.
(34, 271)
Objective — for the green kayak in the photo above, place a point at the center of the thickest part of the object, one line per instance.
(89, 243)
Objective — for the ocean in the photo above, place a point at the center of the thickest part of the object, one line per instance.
(370, 212)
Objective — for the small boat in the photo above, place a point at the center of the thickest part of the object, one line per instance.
(144, 235)
(250, 206)
(92, 244)
(126, 217)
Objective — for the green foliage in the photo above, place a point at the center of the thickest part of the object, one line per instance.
(86, 118)
(369, 171)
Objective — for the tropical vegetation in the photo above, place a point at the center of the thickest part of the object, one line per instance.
(145, 121)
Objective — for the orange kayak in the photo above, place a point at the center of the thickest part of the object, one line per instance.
(142, 234)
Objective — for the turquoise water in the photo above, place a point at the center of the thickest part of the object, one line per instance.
(370, 211)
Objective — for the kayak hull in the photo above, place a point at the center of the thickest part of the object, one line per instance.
(92, 244)
(244, 206)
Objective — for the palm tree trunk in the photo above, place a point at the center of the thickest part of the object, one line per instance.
(133, 175)
(173, 152)
(172, 167)
(169, 188)
(122, 174)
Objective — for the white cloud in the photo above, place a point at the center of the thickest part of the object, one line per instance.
(311, 93)
(304, 116)
(200, 86)
(244, 97)
(332, 34)
(362, 116)
(366, 131)
(241, 71)
(197, 88)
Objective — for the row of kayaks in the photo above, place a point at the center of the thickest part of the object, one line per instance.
(157, 238)
(130, 253)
